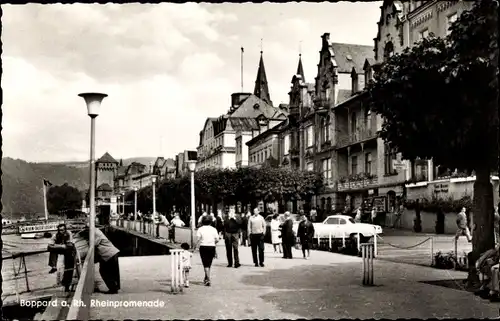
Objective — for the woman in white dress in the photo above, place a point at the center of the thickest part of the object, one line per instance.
(276, 233)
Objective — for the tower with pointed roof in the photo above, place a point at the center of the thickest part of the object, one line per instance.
(261, 86)
(106, 169)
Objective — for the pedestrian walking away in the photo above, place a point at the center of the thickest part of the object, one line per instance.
(276, 233)
(207, 239)
(256, 229)
(231, 230)
(462, 228)
(186, 263)
(287, 236)
(305, 233)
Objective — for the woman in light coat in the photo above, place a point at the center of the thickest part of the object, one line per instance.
(276, 233)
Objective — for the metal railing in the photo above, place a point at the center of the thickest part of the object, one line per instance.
(21, 272)
(356, 137)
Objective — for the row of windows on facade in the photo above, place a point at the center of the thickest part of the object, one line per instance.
(261, 156)
(450, 20)
(212, 145)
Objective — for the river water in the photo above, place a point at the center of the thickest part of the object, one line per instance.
(40, 281)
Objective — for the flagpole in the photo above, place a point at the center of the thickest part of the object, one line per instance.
(242, 51)
(45, 201)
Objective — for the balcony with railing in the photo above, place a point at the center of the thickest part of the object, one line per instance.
(360, 135)
(358, 181)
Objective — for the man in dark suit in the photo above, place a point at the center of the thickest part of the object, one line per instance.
(287, 236)
(232, 227)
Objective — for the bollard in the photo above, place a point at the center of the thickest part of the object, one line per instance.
(432, 251)
(367, 251)
(456, 252)
(375, 248)
(176, 271)
(329, 241)
(359, 242)
(343, 240)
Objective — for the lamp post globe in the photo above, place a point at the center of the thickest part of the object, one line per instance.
(93, 102)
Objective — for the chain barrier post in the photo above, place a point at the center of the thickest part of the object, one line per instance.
(375, 242)
(367, 251)
(176, 271)
(432, 251)
(330, 241)
(456, 253)
(359, 242)
(343, 240)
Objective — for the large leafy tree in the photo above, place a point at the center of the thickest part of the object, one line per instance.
(63, 199)
(245, 185)
(439, 100)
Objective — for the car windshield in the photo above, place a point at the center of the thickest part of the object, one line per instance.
(352, 220)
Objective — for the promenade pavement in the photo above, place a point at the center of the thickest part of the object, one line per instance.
(328, 285)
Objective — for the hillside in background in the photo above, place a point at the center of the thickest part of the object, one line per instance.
(22, 181)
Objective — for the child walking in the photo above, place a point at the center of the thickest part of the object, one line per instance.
(186, 263)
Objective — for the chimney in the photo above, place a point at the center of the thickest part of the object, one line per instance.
(237, 99)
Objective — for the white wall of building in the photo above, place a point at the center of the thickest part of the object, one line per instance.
(229, 139)
(228, 160)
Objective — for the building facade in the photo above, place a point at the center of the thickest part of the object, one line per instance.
(218, 145)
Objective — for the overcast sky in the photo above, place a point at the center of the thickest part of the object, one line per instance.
(165, 67)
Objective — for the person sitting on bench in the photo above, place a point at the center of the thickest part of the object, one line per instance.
(485, 265)
(62, 243)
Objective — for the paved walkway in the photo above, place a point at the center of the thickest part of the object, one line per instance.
(326, 286)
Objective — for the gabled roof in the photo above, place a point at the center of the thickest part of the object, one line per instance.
(104, 187)
(343, 95)
(106, 158)
(369, 62)
(273, 130)
(348, 56)
(252, 107)
(243, 124)
(170, 162)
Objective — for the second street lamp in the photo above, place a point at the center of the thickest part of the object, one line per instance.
(192, 166)
(135, 204)
(93, 101)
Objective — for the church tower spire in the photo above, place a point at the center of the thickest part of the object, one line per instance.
(261, 87)
(300, 69)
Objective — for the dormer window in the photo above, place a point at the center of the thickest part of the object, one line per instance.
(368, 75)
(355, 84)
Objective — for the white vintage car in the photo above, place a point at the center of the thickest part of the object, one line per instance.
(339, 226)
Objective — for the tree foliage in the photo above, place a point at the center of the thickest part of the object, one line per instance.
(63, 198)
(230, 186)
(439, 100)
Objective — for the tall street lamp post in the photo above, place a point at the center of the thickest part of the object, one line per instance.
(123, 203)
(93, 101)
(135, 204)
(153, 179)
(192, 166)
